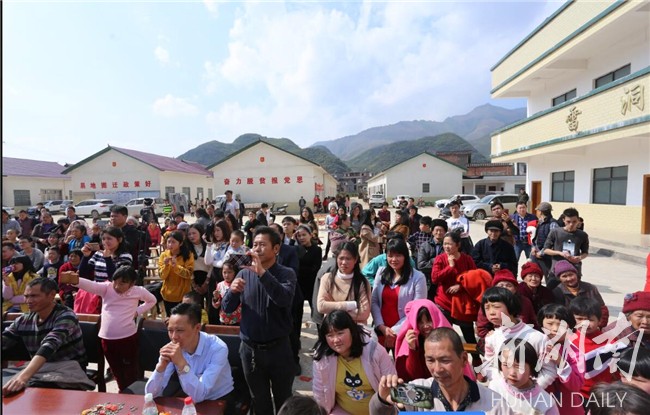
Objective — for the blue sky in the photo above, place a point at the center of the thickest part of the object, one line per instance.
(165, 77)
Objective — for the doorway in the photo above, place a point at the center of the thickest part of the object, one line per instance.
(645, 206)
(535, 194)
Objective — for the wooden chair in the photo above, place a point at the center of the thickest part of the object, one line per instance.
(470, 347)
(90, 324)
(218, 329)
(17, 353)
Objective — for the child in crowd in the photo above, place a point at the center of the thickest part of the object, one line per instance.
(594, 357)
(236, 246)
(556, 321)
(517, 362)
(502, 308)
(331, 222)
(176, 268)
(249, 227)
(193, 297)
(421, 237)
(228, 271)
(53, 261)
(66, 291)
(118, 331)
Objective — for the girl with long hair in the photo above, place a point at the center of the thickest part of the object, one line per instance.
(217, 235)
(348, 365)
(345, 288)
(369, 246)
(395, 285)
(307, 218)
(310, 262)
(176, 269)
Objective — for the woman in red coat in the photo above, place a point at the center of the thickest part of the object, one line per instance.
(446, 268)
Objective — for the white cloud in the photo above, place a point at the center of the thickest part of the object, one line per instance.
(311, 71)
(212, 6)
(171, 106)
(162, 55)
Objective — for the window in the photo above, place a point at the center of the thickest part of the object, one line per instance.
(21, 198)
(562, 186)
(169, 189)
(199, 192)
(210, 193)
(480, 189)
(425, 187)
(186, 190)
(612, 76)
(492, 188)
(564, 97)
(610, 185)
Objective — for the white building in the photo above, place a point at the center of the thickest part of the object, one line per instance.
(27, 182)
(424, 175)
(121, 174)
(262, 172)
(585, 72)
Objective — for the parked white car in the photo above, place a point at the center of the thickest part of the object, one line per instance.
(134, 206)
(94, 208)
(398, 198)
(464, 198)
(377, 200)
(9, 210)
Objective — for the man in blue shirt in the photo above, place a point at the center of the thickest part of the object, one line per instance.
(265, 290)
(521, 219)
(194, 362)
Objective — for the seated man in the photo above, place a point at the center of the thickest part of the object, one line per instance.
(52, 336)
(451, 390)
(493, 253)
(194, 363)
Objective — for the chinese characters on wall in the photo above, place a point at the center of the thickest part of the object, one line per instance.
(125, 184)
(263, 180)
(634, 96)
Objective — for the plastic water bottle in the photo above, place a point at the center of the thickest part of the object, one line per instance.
(189, 408)
(149, 407)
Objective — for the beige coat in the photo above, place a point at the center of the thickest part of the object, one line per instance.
(331, 298)
(369, 247)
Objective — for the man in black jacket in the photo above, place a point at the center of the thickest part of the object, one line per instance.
(493, 253)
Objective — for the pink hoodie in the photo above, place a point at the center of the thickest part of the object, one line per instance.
(410, 363)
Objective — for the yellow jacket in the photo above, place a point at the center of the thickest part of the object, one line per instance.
(177, 280)
(17, 290)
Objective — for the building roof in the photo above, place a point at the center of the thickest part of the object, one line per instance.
(161, 163)
(32, 168)
(253, 144)
(411, 158)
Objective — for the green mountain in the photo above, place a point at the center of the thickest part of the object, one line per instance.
(379, 158)
(475, 127)
(213, 151)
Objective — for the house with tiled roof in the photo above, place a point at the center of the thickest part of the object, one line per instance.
(425, 175)
(121, 174)
(263, 172)
(26, 182)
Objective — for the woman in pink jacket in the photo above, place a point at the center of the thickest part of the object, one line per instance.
(347, 366)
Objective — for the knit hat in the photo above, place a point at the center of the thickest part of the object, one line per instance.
(494, 224)
(504, 275)
(639, 300)
(544, 207)
(563, 266)
(530, 268)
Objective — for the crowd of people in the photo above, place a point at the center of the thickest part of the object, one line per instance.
(541, 344)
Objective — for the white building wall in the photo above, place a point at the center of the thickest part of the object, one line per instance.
(180, 180)
(113, 175)
(34, 185)
(610, 154)
(251, 174)
(407, 178)
(583, 80)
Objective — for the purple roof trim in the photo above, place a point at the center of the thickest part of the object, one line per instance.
(32, 168)
(165, 163)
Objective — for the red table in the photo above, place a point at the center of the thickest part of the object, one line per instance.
(70, 402)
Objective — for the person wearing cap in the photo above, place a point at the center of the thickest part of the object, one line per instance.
(505, 279)
(567, 243)
(545, 223)
(636, 307)
(493, 253)
(571, 287)
(532, 287)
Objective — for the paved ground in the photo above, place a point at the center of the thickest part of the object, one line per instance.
(614, 278)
